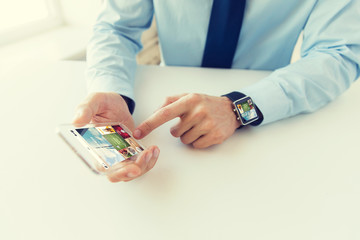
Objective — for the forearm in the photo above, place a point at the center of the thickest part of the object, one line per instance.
(114, 44)
(304, 86)
(330, 63)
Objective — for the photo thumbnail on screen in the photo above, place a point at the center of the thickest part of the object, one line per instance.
(109, 144)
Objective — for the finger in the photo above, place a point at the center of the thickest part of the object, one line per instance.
(192, 135)
(153, 160)
(160, 117)
(206, 141)
(143, 163)
(171, 99)
(145, 158)
(150, 158)
(126, 173)
(186, 123)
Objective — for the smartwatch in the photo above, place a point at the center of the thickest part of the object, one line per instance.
(245, 109)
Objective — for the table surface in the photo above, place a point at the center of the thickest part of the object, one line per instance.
(294, 179)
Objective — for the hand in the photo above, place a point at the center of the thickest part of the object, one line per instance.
(104, 107)
(145, 161)
(204, 120)
(111, 107)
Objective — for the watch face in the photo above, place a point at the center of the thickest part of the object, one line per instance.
(246, 110)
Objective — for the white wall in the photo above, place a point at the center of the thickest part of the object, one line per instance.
(64, 42)
(80, 12)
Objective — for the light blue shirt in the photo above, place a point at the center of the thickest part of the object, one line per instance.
(330, 53)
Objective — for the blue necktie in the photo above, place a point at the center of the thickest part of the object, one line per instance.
(223, 33)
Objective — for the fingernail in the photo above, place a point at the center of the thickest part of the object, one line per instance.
(132, 174)
(148, 157)
(137, 133)
(156, 153)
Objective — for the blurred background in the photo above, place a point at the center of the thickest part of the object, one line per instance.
(55, 30)
(58, 30)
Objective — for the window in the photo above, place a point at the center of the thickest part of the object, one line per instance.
(21, 18)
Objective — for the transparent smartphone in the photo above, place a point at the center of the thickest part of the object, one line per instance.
(104, 147)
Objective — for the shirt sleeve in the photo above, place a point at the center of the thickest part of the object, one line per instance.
(329, 64)
(116, 39)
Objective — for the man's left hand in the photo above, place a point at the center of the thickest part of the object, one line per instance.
(204, 120)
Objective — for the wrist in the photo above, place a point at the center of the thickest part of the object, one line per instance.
(245, 110)
(229, 106)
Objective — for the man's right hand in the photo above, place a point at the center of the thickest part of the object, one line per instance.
(111, 107)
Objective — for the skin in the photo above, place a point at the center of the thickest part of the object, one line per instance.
(111, 107)
(204, 121)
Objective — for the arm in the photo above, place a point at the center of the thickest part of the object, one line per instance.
(115, 42)
(111, 68)
(330, 63)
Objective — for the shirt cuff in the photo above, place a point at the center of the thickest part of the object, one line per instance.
(270, 99)
(113, 84)
(130, 103)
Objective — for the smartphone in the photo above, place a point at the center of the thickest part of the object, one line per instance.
(103, 147)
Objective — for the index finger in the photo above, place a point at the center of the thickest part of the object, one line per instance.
(163, 115)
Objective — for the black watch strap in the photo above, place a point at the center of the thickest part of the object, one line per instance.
(234, 96)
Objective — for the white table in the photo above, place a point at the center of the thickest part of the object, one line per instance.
(294, 179)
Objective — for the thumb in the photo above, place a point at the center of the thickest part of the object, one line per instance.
(83, 116)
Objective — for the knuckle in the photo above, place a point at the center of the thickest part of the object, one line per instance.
(194, 98)
(200, 114)
(165, 113)
(204, 110)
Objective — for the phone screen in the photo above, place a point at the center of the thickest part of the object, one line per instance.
(108, 144)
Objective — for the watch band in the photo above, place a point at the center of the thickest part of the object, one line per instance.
(233, 96)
